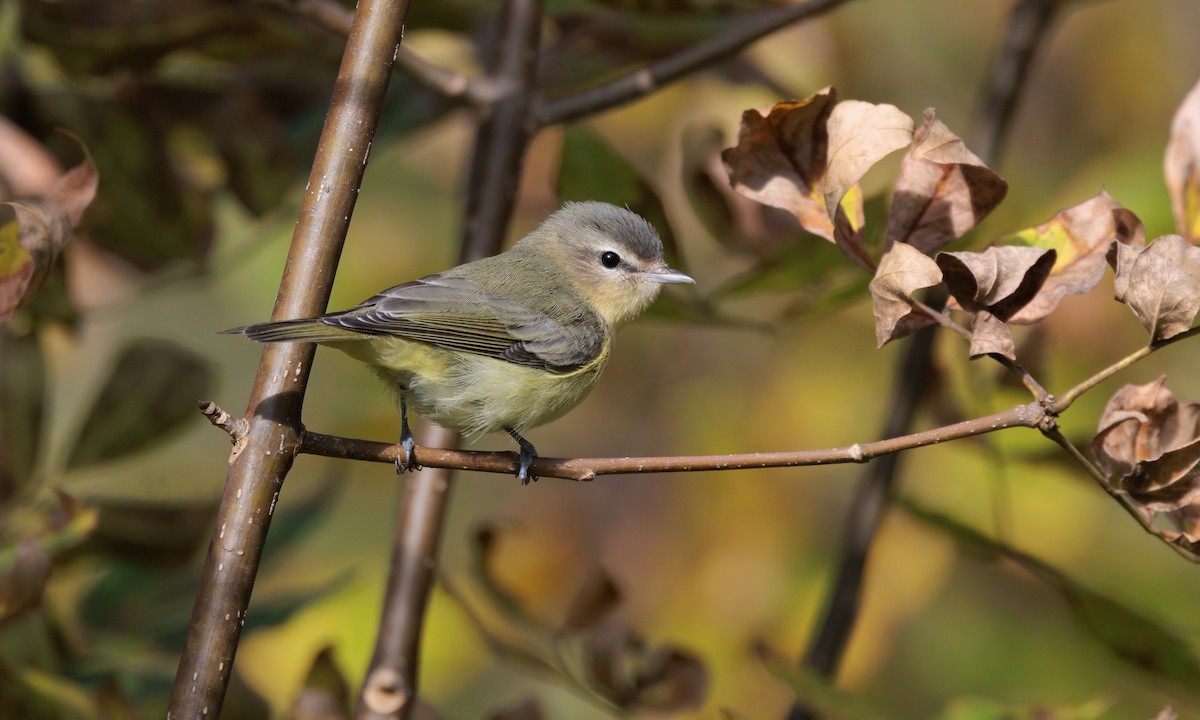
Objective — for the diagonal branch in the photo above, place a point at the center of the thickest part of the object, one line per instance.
(655, 76)
(272, 421)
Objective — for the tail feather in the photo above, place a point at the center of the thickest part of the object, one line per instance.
(307, 330)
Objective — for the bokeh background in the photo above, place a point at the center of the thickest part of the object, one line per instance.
(202, 118)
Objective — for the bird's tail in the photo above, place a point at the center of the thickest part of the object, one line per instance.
(307, 330)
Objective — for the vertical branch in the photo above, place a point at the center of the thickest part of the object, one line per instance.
(874, 494)
(390, 687)
(257, 470)
(1028, 24)
(504, 135)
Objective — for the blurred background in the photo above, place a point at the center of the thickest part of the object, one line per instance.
(202, 118)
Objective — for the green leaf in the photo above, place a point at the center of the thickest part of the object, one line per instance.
(22, 406)
(150, 393)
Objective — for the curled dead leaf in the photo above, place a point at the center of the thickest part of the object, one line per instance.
(1181, 165)
(860, 135)
(780, 159)
(1148, 444)
(1000, 280)
(902, 271)
(27, 169)
(597, 596)
(669, 680)
(738, 223)
(990, 336)
(943, 190)
(23, 576)
(43, 227)
(1160, 283)
(1081, 236)
(17, 267)
(993, 285)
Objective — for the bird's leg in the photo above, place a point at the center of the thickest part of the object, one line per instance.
(407, 442)
(528, 453)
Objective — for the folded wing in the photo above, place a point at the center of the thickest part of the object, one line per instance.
(458, 314)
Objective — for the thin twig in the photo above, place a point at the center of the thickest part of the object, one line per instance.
(584, 469)
(656, 75)
(1027, 379)
(336, 18)
(1062, 402)
(272, 431)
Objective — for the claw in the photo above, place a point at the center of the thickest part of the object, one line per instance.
(407, 441)
(528, 453)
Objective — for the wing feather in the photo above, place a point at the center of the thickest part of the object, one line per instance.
(458, 314)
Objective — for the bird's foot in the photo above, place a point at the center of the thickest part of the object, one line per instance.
(407, 463)
(525, 458)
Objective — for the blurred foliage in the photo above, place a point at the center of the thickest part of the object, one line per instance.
(632, 594)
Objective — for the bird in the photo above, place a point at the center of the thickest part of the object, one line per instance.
(504, 343)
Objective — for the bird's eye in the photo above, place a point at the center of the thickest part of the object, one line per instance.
(610, 259)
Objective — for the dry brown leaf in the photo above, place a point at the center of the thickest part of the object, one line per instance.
(27, 169)
(16, 268)
(902, 271)
(1000, 280)
(23, 579)
(1148, 445)
(1181, 166)
(943, 190)
(740, 224)
(990, 336)
(595, 600)
(1160, 283)
(1081, 236)
(671, 680)
(45, 226)
(860, 135)
(993, 285)
(780, 159)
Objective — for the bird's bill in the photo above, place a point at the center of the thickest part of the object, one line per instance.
(667, 276)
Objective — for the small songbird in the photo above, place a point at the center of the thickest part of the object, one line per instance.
(508, 342)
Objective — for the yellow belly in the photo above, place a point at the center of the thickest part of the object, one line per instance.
(472, 393)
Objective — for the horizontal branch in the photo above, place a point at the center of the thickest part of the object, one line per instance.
(1031, 415)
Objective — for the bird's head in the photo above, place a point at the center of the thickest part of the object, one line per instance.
(612, 257)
